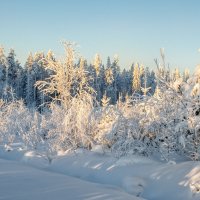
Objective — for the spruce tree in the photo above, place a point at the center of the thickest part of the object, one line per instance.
(136, 85)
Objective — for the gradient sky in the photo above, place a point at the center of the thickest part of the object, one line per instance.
(133, 29)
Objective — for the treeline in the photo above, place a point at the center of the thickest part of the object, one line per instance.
(17, 81)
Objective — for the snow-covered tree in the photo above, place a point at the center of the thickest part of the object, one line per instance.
(97, 63)
(136, 85)
(2, 70)
(145, 89)
(186, 75)
(74, 95)
(97, 67)
(176, 74)
(109, 76)
(105, 101)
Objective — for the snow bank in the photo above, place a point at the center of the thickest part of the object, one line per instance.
(138, 176)
(21, 182)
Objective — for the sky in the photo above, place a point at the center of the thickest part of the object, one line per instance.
(135, 30)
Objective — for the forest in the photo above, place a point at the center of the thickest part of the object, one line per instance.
(51, 105)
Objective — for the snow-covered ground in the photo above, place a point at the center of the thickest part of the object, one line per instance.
(93, 175)
(18, 182)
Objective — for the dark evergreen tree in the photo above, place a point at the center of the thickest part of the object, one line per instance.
(2, 71)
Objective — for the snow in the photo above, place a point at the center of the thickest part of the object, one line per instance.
(21, 182)
(94, 175)
(135, 175)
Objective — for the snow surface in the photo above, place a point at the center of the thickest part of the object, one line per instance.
(18, 182)
(136, 175)
(94, 175)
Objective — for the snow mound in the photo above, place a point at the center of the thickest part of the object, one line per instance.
(134, 185)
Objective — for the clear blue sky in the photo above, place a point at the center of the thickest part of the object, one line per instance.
(134, 29)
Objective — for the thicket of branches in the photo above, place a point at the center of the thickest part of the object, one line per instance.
(65, 108)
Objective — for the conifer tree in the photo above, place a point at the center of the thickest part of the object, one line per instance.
(105, 101)
(136, 85)
(2, 70)
(108, 64)
(29, 84)
(97, 64)
(13, 76)
(116, 71)
(97, 67)
(109, 76)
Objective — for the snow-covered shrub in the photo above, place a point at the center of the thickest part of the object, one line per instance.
(70, 129)
(20, 125)
(102, 121)
(151, 124)
(12, 115)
